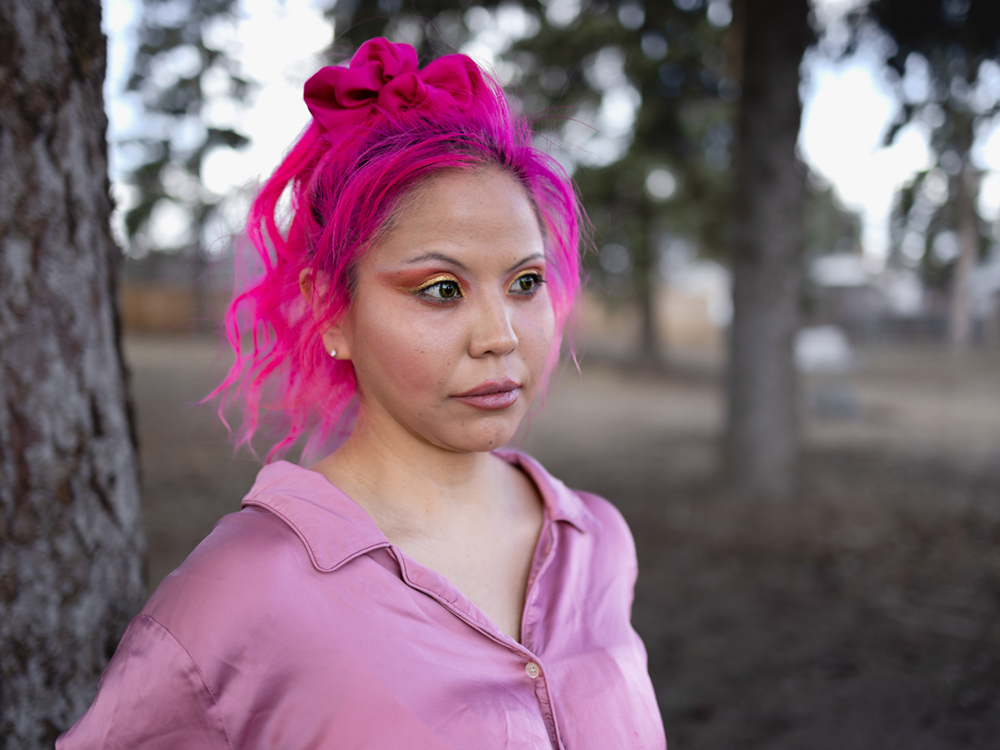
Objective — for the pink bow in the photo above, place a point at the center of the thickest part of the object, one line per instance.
(384, 77)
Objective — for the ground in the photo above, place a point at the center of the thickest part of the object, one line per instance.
(865, 613)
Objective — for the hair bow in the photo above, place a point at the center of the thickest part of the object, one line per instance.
(384, 77)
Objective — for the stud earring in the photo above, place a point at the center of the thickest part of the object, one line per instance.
(333, 353)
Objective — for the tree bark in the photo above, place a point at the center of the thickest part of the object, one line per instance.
(762, 441)
(71, 543)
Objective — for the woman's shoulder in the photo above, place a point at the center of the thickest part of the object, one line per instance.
(230, 571)
(293, 527)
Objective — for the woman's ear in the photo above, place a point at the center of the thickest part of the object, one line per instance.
(313, 287)
(307, 287)
(336, 343)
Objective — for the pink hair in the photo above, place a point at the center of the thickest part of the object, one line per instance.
(344, 187)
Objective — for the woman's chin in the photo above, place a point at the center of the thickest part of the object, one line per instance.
(479, 442)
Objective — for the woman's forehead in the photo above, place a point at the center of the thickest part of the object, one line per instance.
(462, 212)
(481, 188)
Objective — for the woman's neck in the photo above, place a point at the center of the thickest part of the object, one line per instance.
(470, 516)
(404, 482)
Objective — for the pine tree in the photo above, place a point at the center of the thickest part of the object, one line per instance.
(71, 542)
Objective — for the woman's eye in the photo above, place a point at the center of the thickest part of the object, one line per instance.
(443, 290)
(527, 284)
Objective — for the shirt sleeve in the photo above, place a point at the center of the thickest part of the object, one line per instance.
(152, 696)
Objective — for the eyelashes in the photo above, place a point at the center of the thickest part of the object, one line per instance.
(447, 288)
(441, 288)
(527, 283)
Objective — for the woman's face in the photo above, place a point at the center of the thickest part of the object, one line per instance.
(451, 327)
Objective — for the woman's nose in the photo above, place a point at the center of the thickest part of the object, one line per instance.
(492, 328)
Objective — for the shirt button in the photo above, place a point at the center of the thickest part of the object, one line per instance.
(532, 669)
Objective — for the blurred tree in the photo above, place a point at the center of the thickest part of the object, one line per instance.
(71, 543)
(762, 440)
(922, 227)
(180, 66)
(664, 67)
(828, 227)
(945, 54)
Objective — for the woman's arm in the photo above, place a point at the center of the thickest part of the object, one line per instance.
(151, 696)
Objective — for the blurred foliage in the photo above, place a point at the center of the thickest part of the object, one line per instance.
(943, 54)
(827, 225)
(922, 226)
(178, 68)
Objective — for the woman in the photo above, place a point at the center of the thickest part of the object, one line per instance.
(417, 587)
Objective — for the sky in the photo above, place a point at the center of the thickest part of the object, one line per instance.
(847, 107)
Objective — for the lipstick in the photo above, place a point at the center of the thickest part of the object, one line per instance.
(491, 395)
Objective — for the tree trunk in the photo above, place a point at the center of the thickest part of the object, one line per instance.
(960, 314)
(991, 326)
(762, 441)
(644, 280)
(71, 545)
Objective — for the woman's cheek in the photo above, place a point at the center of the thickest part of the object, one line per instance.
(420, 355)
(538, 336)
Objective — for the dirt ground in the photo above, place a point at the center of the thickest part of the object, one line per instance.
(863, 614)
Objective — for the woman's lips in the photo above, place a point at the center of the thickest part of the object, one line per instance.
(491, 395)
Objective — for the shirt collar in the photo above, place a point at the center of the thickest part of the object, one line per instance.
(561, 503)
(335, 529)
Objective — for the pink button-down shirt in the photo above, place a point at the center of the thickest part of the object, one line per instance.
(296, 625)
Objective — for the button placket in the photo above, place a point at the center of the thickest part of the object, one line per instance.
(546, 707)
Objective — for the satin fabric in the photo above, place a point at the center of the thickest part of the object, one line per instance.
(295, 624)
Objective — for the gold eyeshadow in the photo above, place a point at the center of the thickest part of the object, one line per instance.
(431, 282)
(537, 273)
(529, 272)
(437, 280)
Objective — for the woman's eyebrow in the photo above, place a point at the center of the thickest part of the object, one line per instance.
(437, 256)
(533, 256)
(459, 264)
